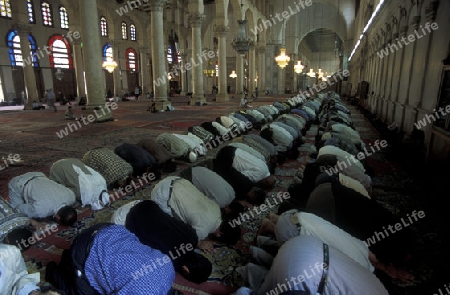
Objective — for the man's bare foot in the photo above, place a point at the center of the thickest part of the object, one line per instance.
(206, 246)
(273, 218)
(267, 227)
(399, 275)
(38, 225)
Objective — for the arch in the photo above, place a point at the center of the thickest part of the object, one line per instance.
(60, 52)
(107, 51)
(15, 53)
(46, 12)
(133, 36)
(124, 28)
(31, 13)
(103, 23)
(132, 60)
(63, 18)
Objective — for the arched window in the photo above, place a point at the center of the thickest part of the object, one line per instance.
(170, 54)
(133, 32)
(60, 52)
(46, 11)
(30, 10)
(131, 60)
(107, 51)
(5, 8)
(64, 18)
(15, 53)
(124, 31)
(103, 27)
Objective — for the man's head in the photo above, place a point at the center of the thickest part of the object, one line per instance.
(198, 269)
(66, 216)
(48, 290)
(256, 196)
(16, 236)
(268, 182)
(226, 233)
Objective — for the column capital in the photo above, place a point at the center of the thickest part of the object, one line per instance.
(221, 30)
(196, 19)
(158, 5)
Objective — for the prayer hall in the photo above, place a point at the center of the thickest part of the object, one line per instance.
(215, 147)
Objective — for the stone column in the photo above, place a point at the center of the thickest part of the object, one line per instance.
(251, 70)
(221, 32)
(159, 58)
(78, 63)
(189, 73)
(183, 75)
(93, 61)
(240, 73)
(31, 91)
(143, 69)
(198, 92)
(269, 69)
(116, 74)
(261, 51)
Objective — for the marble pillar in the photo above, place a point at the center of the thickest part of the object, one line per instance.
(240, 73)
(222, 95)
(198, 57)
(251, 70)
(93, 61)
(143, 70)
(159, 58)
(28, 70)
(78, 63)
(117, 72)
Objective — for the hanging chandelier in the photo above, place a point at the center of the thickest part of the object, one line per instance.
(282, 59)
(109, 64)
(210, 71)
(241, 43)
(298, 68)
(311, 73)
(233, 74)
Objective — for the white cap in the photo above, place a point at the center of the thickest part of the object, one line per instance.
(192, 157)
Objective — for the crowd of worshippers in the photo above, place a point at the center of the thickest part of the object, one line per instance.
(151, 240)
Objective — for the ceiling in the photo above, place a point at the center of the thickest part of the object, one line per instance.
(322, 40)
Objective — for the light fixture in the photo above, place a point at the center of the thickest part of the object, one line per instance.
(282, 59)
(59, 74)
(169, 77)
(109, 64)
(210, 71)
(311, 73)
(241, 43)
(233, 74)
(298, 68)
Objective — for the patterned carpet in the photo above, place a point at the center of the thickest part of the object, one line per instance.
(393, 188)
